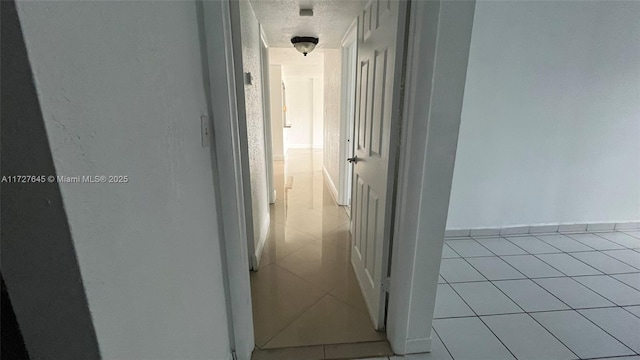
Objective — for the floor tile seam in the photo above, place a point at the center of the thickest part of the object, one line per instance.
(463, 300)
(570, 254)
(599, 293)
(581, 284)
(465, 260)
(504, 238)
(628, 231)
(484, 247)
(531, 235)
(594, 234)
(622, 282)
(442, 341)
(292, 321)
(355, 309)
(338, 218)
(560, 271)
(452, 249)
(601, 328)
(537, 278)
(550, 332)
(538, 285)
(536, 312)
(627, 310)
(323, 231)
(303, 279)
(497, 337)
(613, 241)
(476, 240)
(500, 290)
(509, 265)
(570, 238)
(622, 261)
(554, 335)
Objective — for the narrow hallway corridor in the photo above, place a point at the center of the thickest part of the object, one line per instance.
(305, 292)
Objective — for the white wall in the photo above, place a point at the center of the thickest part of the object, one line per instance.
(250, 33)
(550, 127)
(299, 93)
(317, 132)
(121, 92)
(332, 139)
(275, 92)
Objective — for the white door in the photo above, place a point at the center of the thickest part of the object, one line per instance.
(376, 133)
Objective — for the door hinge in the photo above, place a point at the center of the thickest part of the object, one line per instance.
(386, 284)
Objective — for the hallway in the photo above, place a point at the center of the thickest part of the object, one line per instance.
(305, 292)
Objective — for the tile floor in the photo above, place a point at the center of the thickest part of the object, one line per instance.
(305, 293)
(542, 297)
(548, 296)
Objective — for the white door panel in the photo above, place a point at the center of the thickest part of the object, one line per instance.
(377, 94)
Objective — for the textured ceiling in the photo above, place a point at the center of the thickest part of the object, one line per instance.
(331, 20)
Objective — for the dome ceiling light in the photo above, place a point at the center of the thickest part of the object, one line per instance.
(304, 44)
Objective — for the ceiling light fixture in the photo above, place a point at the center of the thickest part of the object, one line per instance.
(304, 44)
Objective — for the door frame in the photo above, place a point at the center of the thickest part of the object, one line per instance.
(347, 112)
(438, 40)
(266, 115)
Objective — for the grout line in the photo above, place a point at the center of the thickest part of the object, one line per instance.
(554, 335)
(442, 341)
(497, 337)
(606, 332)
(532, 279)
(573, 257)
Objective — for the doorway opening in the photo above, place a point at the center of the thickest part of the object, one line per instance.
(320, 273)
(305, 292)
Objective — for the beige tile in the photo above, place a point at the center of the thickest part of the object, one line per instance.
(278, 298)
(330, 321)
(349, 292)
(341, 236)
(294, 353)
(322, 264)
(282, 241)
(357, 350)
(311, 221)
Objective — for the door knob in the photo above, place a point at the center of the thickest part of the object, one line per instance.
(353, 160)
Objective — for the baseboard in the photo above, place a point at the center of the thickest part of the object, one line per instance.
(264, 234)
(541, 229)
(417, 346)
(332, 187)
(278, 157)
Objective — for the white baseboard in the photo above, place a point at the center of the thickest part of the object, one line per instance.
(541, 229)
(264, 234)
(417, 346)
(332, 186)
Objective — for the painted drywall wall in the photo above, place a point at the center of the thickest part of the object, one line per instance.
(250, 35)
(39, 260)
(275, 92)
(299, 93)
(550, 129)
(332, 84)
(317, 131)
(121, 91)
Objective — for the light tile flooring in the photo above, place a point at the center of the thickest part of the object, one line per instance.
(549, 296)
(305, 292)
(543, 297)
